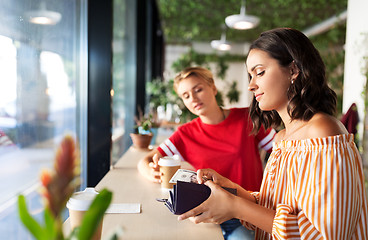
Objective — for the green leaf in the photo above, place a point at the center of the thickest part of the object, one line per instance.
(32, 225)
(73, 235)
(49, 220)
(94, 215)
(50, 224)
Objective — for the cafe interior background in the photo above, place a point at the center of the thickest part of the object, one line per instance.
(92, 66)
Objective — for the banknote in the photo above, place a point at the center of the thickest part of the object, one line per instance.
(184, 175)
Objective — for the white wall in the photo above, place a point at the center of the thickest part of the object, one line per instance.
(172, 53)
(355, 50)
(236, 70)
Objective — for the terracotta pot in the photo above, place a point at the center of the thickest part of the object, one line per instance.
(141, 140)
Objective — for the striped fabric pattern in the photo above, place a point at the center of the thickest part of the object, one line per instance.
(5, 140)
(266, 142)
(317, 188)
(169, 148)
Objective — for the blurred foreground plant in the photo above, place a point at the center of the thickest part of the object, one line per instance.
(57, 187)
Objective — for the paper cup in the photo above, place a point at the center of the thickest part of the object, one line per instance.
(78, 204)
(168, 167)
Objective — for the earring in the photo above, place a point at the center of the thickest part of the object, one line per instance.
(291, 80)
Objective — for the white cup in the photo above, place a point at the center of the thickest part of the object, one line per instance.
(168, 167)
(78, 204)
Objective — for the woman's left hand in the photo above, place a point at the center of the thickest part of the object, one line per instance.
(218, 208)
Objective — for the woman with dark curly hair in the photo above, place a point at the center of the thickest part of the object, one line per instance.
(313, 184)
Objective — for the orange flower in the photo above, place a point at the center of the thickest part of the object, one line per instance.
(45, 177)
(66, 158)
(58, 187)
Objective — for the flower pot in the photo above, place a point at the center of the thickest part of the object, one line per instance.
(141, 140)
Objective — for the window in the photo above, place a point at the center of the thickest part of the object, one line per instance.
(137, 58)
(46, 88)
(124, 75)
(43, 83)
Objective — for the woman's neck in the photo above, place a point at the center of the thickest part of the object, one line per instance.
(293, 128)
(214, 117)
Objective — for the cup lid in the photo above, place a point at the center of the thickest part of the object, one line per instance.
(169, 161)
(80, 201)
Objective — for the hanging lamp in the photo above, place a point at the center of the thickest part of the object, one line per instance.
(43, 16)
(222, 44)
(242, 21)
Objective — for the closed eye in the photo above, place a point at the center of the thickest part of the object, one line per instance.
(261, 73)
(185, 96)
(198, 90)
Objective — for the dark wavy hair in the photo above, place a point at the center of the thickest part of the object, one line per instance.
(309, 92)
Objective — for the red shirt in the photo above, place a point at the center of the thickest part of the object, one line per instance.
(228, 147)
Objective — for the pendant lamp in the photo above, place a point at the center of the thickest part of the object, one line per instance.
(43, 16)
(221, 44)
(242, 21)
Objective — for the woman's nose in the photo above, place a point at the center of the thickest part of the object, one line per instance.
(252, 86)
(194, 97)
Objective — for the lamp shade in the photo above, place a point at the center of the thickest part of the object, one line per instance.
(221, 44)
(242, 21)
(43, 16)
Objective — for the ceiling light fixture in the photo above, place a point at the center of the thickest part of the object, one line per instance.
(242, 21)
(221, 44)
(43, 16)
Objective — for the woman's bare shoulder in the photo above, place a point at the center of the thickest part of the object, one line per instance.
(279, 136)
(323, 125)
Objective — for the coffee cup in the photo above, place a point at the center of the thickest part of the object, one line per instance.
(78, 204)
(168, 167)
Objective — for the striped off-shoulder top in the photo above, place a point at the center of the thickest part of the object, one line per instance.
(317, 188)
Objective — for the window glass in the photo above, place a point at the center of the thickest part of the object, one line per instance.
(42, 73)
(124, 60)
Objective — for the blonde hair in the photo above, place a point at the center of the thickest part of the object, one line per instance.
(202, 73)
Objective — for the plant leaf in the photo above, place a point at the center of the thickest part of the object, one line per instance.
(49, 224)
(32, 225)
(94, 215)
(74, 234)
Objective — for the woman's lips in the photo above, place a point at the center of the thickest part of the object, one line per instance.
(198, 106)
(258, 96)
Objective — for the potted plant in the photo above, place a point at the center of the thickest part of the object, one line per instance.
(57, 187)
(142, 135)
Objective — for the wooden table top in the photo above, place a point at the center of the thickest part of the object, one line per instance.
(155, 221)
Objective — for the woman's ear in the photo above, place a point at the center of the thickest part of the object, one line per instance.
(214, 90)
(294, 70)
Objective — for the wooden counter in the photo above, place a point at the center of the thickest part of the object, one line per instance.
(155, 221)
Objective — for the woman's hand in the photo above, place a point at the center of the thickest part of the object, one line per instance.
(149, 168)
(209, 174)
(216, 209)
(155, 169)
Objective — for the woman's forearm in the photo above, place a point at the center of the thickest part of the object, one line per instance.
(249, 211)
(241, 192)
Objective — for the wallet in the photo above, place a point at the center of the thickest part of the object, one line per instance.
(188, 195)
